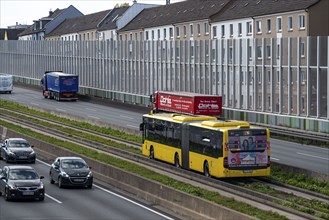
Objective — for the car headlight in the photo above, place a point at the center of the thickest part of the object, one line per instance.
(11, 187)
(90, 174)
(64, 174)
(41, 186)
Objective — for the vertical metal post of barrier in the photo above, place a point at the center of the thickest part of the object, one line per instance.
(318, 84)
(280, 77)
(328, 78)
(298, 78)
(239, 57)
(308, 88)
(227, 74)
(204, 67)
(263, 78)
(220, 65)
(246, 81)
(289, 76)
(210, 65)
(233, 72)
(255, 75)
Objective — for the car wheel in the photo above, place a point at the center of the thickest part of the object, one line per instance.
(90, 186)
(7, 195)
(33, 161)
(5, 158)
(42, 198)
(51, 179)
(60, 182)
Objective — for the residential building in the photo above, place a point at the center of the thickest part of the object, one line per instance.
(45, 25)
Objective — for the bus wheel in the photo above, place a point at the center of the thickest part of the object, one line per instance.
(151, 153)
(206, 169)
(177, 161)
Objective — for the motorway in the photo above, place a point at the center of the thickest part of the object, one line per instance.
(308, 157)
(98, 203)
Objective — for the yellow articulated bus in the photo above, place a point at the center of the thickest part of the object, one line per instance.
(205, 144)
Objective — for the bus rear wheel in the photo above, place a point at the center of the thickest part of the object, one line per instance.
(151, 153)
(206, 169)
(177, 160)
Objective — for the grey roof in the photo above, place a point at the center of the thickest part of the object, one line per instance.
(30, 30)
(109, 22)
(189, 10)
(249, 8)
(80, 23)
(12, 34)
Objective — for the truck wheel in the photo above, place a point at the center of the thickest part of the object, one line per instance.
(151, 153)
(206, 169)
(177, 160)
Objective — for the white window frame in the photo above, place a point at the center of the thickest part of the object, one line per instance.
(268, 25)
(177, 32)
(279, 24)
(214, 31)
(231, 30)
(258, 26)
(301, 22)
(289, 23)
(249, 28)
(191, 30)
(223, 30)
(206, 28)
(240, 29)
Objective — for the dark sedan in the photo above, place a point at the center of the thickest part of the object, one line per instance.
(71, 171)
(17, 150)
(21, 182)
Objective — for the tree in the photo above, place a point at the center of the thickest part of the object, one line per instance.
(123, 5)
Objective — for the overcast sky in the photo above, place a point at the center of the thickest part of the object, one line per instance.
(26, 11)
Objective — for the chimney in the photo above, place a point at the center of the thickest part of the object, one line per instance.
(135, 1)
(167, 2)
(50, 12)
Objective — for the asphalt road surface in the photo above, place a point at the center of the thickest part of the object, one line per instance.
(303, 156)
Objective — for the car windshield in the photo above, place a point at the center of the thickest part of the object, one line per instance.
(18, 144)
(73, 164)
(22, 175)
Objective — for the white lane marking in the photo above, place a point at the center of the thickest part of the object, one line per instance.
(50, 197)
(32, 103)
(273, 158)
(309, 155)
(133, 126)
(123, 116)
(89, 116)
(133, 202)
(117, 195)
(56, 200)
(91, 109)
(62, 110)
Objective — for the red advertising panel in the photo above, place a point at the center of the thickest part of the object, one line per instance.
(188, 103)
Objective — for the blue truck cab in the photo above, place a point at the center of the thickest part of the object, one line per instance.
(60, 86)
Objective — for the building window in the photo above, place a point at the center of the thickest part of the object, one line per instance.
(199, 29)
(269, 76)
(302, 49)
(279, 24)
(231, 30)
(259, 77)
(171, 34)
(301, 22)
(249, 28)
(259, 52)
(259, 27)
(184, 30)
(223, 30)
(177, 32)
(206, 29)
(268, 25)
(214, 31)
(131, 37)
(250, 52)
(147, 35)
(268, 51)
(164, 34)
(240, 29)
(302, 77)
(159, 34)
(153, 35)
(191, 29)
(289, 23)
(136, 36)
